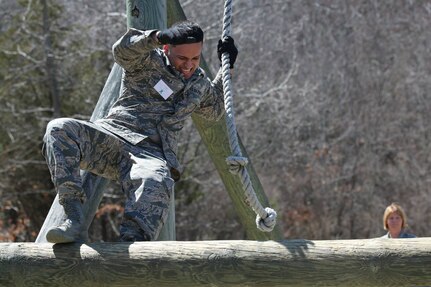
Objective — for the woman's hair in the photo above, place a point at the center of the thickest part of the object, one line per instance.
(394, 207)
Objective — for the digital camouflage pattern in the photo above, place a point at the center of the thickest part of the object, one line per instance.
(144, 176)
(135, 144)
(141, 112)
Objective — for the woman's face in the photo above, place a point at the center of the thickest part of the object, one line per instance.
(394, 222)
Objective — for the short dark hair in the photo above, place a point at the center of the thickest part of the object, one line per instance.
(191, 32)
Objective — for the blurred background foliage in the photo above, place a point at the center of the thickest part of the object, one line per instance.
(332, 105)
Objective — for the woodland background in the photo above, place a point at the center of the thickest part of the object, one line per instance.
(332, 102)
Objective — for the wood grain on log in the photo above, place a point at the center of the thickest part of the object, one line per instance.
(369, 262)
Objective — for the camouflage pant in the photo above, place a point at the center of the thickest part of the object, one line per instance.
(71, 145)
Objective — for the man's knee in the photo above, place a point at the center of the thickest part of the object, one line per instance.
(58, 124)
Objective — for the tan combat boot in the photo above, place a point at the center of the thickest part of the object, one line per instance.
(69, 230)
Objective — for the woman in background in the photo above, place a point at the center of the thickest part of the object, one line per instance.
(395, 222)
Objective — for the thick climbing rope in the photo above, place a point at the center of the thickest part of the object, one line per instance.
(265, 217)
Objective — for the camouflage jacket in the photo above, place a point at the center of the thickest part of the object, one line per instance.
(141, 113)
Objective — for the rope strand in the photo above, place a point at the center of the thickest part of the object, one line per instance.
(265, 217)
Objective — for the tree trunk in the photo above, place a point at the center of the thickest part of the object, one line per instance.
(50, 62)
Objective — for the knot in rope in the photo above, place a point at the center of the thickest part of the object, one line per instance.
(236, 163)
(267, 224)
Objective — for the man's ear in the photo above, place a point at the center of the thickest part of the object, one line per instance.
(166, 49)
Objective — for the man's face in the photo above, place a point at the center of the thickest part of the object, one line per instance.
(185, 58)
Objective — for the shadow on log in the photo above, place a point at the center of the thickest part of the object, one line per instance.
(369, 262)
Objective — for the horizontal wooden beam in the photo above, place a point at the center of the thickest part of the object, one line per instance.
(369, 262)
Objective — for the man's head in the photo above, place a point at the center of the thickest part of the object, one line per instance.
(182, 43)
(185, 58)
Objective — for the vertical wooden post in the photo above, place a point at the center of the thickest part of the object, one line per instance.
(215, 137)
(141, 14)
(151, 14)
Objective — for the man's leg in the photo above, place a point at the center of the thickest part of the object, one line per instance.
(71, 145)
(147, 186)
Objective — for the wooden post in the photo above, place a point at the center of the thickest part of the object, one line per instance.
(215, 137)
(369, 262)
(148, 14)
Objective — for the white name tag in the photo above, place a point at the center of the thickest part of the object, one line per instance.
(163, 89)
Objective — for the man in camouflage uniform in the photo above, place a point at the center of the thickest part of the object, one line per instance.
(135, 144)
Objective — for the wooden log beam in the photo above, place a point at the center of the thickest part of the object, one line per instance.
(369, 262)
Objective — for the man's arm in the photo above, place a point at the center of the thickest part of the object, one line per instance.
(212, 105)
(133, 47)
